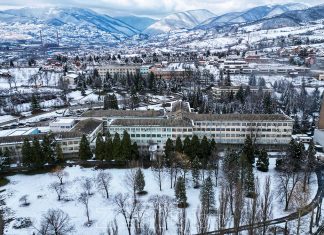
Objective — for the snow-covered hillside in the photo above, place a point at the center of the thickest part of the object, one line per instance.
(180, 20)
(251, 15)
(137, 22)
(57, 17)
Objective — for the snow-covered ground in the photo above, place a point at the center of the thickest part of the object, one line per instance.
(103, 210)
(22, 76)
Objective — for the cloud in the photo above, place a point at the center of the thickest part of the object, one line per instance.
(156, 8)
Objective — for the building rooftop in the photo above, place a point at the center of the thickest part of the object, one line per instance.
(19, 131)
(237, 117)
(123, 113)
(63, 121)
(152, 122)
(238, 87)
(86, 126)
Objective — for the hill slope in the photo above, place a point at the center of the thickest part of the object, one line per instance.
(61, 16)
(180, 20)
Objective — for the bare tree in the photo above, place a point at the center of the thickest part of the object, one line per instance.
(112, 228)
(158, 216)
(130, 181)
(87, 185)
(202, 220)
(103, 182)
(183, 225)
(300, 200)
(56, 222)
(139, 215)
(158, 171)
(84, 199)
(127, 208)
(33, 79)
(288, 180)
(10, 80)
(167, 203)
(238, 207)
(252, 209)
(266, 205)
(216, 159)
(162, 206)
(60, 173)
(24, 200)
(223, 211)
(59, 189)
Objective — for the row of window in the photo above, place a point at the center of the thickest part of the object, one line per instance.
(206, 123)
(181, 130)
(65, 143)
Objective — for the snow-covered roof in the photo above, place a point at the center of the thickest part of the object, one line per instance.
(64, 121)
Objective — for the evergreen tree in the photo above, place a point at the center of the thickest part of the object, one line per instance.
(249, 182)
(59, 153)
(37, 153)
(311, 158)
(48, 149)
(252, 80)
(139, 181)
(267, 104)
(187, 146)
(180, 192)
(116, 147)
(228, 79)
(204, 149)
(168, 150)
(83, 93)
(126, 147)
(248, 150)
(207, 195)
(84, 149)
(26, 152)
(5, 157)
(108, 147)
(151, 81)
(231, 167)
(240, 95)
(296, 125)
(178, 145)
(110, 102)
(213, 146)
(194, 147)
(100, 150)
(135, 153)
(263, 161)
(195, 172)
(34, 103)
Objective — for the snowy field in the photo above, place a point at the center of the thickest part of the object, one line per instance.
(103, 210)
(21, 76)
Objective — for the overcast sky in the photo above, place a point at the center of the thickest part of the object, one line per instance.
(155, 8)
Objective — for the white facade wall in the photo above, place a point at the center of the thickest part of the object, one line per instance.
(225, 132)
(121, 70)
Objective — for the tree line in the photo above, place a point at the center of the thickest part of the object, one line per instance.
(37, 152)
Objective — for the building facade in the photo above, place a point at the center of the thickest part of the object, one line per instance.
(121, 70)
(224, 129)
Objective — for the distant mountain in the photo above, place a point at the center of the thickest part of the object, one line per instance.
(251, 15)
(293, 18)
(180, 20)
(62, 16)
(137, 22)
